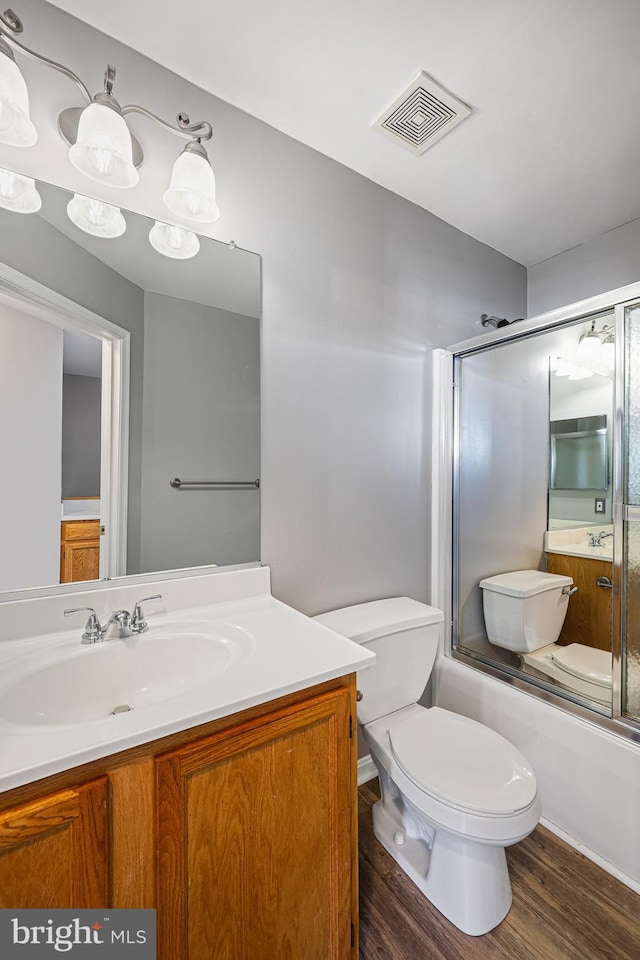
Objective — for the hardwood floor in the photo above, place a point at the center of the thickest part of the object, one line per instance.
(564, 907)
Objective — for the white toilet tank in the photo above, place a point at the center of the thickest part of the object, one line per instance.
(403, 634)
(524, 610)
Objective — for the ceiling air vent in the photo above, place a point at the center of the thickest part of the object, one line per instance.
(422, 115)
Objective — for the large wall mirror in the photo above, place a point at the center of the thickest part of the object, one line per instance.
(534, 497)
(122, 369)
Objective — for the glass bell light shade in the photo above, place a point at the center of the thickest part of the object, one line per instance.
(609, 352)
(192, 190)
(16, 128)
(18, 193)
(96, 217)
(589, 345)
(102, 150)
(174, 242)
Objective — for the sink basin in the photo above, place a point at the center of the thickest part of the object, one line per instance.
(121, 675)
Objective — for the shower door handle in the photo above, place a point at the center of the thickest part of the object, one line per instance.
(604, 582)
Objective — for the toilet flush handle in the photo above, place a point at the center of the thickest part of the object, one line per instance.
(569, 591)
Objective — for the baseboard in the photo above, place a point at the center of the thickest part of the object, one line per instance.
(591, 855)
(366, 770)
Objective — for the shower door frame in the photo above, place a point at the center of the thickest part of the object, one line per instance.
(444, 520)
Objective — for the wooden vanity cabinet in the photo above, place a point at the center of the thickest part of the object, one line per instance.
(53, 851)
(589, 618)
(242, 833)
(79, 550)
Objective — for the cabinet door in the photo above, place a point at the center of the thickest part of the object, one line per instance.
(255, 839)
(79, 550)
(589, 617)
(53, 851)
(80, 561)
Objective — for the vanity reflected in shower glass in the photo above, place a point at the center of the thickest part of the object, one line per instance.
(533, 492)
(194, 395)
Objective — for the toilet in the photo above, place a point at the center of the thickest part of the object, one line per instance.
(454, 793)
(524, 612)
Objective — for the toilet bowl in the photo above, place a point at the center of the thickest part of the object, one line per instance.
(524, 611)
(454, 793)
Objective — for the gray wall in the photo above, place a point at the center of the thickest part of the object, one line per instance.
(359, 286)
(81, 436)
(610, 261)
(201, 420)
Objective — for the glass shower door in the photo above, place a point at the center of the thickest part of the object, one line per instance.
(630, 576)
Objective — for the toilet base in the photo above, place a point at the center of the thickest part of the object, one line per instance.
(467, 881)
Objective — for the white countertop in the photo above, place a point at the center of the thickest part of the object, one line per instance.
(574, 542)
(84, 508)
(291, 652)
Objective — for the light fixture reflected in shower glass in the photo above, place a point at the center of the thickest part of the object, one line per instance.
(18, 193)
(95, 217)
(589, 345)
(174, 242)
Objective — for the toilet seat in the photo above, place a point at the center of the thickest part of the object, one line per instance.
(443, 797)
(580, 669)
(462, 763)
(586, 663)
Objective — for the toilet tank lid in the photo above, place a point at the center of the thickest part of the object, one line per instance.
(525, 583)
(378, 618)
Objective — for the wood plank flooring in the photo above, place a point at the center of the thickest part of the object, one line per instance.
(564, 907)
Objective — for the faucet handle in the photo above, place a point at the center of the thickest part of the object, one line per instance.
(93, 630)
(138, 624)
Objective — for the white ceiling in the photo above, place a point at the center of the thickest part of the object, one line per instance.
(549, 157)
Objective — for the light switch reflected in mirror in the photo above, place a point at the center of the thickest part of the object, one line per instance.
(191, 330)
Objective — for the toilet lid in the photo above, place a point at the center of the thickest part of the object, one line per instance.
(462, 762)
(587, 663)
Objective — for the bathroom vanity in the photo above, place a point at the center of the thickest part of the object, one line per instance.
(79, 550)
(238, 826)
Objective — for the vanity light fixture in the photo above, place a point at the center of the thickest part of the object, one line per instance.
(16, 128)
(101, 144)
(18, 193)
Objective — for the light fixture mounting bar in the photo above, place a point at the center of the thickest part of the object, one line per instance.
(184, 128)
(13, 25)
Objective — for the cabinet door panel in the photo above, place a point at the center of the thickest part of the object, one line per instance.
(589, 617)
(255, 827)
(53, 852)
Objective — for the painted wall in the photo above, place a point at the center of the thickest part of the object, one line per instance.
(81, 436)
(359, 285)
(30, 427)
(201, 420)
(605, 263)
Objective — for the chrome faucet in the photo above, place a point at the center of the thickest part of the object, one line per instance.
(595, 539)
(120, 625)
